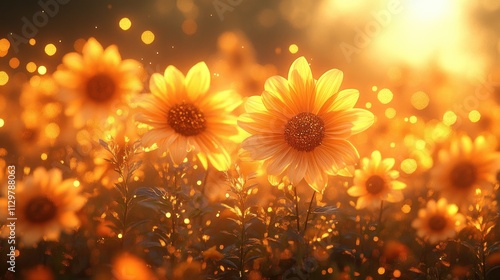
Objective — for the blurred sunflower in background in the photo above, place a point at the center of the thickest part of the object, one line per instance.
(46, 205)
(466, 166)
(438, 221)
(96, 82)
(184, 116)
(300, 126)
(127, 266)
(376, 181)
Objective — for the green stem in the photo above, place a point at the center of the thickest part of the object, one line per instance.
(243, 237)
(361, 236)
(125, 217)
(379, 225)
(173, 198)
(309, 211)
(126, 202)
(205, 180)
(297, 208)
(483, 256)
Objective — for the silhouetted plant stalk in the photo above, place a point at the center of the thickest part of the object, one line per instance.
(381, 210)
(309, 211)
(483, 221)
(241, 191)
(297, 213)
(124, 163)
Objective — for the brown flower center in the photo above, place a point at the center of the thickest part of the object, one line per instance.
(463, 175)
(186, 119)
(101, 88)
(437, 222)
(40, 210)
(304, 132)
(375, 184)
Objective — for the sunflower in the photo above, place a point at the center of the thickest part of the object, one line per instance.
(465, 167)
(376, 181)
(26, 138)
(438, 221)
(300, 126)
(45, 205)
(97, 81)
(183, 116)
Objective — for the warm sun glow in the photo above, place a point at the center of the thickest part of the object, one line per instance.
(430, 29)
(429, 10)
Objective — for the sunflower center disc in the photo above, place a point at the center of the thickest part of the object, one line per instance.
(374, 184)
(463, 175)
(437, 223)
(101, 88)
(304, 132)
(40, 209)
(186, 119)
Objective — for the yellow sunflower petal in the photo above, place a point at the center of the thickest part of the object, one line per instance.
(226, 100)
(55, 177)
(254, 104)
(52, 231)
(344, 100)
(131, 67)
(326, 161)
(69, 220)
(276, 106)
(297, 168)
(31, 237)
(327, 86)
(347, 171)
(111, 56)
(178, 150)
(92, 50)
(363, 119)
(197, 81)
(220, 161)
(262, 147)
(67, 79)
(175, 80)
(73, 61)
(394, 196)
(397, 185)
(40, 178)
(315, 177)
(203, 160)
(362, 202)
(301, 80)
(279, 163)
(278, 87)
(388, 163)
(356, 191)
(158, 86)
(157, 136)
(343, 149)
